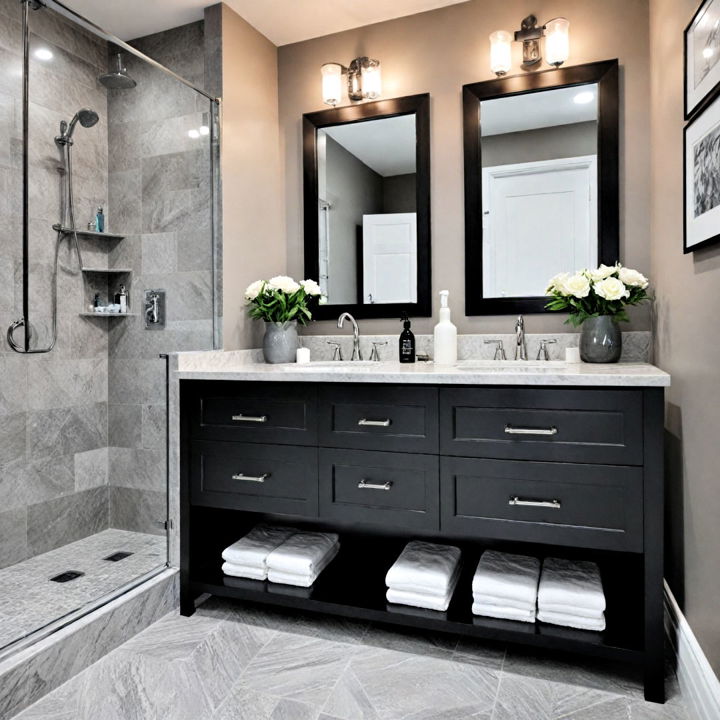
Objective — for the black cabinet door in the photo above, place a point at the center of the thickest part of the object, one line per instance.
(380, 488)
(565, 425)
(379, 417)
(593, 506)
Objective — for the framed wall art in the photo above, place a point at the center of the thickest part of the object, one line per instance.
(702, 57)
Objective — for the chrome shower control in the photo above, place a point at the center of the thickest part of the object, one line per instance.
(154, 309)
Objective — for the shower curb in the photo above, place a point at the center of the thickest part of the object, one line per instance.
(31, 673)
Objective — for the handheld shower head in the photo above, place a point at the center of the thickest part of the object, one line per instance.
(87, 118)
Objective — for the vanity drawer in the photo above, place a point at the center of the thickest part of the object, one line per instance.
(378, 488)
(379, 417)
(593, 426)
(254, 477)
(593, 506)
(256, 412)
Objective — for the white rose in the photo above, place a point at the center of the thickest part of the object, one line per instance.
(284, 284)
(557, 283)
(611, 289)
(577, 285)
(604, 271)
(633, 278)
(310, 287)
(254, 289)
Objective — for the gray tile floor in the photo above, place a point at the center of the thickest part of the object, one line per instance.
(238, 662)
(29, 600)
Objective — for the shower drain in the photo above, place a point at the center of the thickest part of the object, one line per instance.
(67, 576)
(118, 556)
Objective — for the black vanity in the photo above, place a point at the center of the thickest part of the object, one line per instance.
(541, 469)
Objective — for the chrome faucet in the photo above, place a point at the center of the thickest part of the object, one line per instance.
(520, 347)
(356, 354)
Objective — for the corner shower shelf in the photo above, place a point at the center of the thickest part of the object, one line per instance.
(117, 271)
(88, 233)
(107, 315)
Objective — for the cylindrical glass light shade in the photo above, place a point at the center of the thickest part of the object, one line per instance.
(371, 79)
(557, 41)
(331, 83)
(500, 52)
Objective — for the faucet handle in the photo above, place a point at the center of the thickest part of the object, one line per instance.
(543, 353)
(499, 349)
(375, 353)
(337, 351)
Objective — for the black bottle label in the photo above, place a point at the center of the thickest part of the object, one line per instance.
(407, 348)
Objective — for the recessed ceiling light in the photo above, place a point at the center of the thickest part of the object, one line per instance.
(583, 98)
(708, 52)
(43, 54)
(204, 130)
(194, 134)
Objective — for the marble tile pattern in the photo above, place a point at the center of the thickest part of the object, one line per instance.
(30, 600)
(242, 662)
(159, 187)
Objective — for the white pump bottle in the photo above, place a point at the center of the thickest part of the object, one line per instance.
(445, 334)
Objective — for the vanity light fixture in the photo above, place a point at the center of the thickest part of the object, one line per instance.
(364, 80)
(557, 44)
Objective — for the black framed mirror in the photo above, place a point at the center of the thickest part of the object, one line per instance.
(366, 175)
(541, 183)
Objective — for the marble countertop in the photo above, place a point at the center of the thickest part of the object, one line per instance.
(218, 365)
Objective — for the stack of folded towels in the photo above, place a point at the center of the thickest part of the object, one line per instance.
(281, 555)
(301, 558)
(506, 586)
(247, 557)
(571, 594)
(424, 576)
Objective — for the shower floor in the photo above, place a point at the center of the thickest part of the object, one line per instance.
(29, 600)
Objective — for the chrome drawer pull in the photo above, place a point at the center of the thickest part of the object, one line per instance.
(250, 418)
(375, 423)
(365, 485)
(555, 504)
(510, 430)
(251, 478)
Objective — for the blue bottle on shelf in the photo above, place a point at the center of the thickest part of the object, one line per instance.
(100, 220)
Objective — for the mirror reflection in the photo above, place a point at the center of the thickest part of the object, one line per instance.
(539, 188)
(367, 211)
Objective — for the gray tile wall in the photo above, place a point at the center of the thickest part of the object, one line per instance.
(53, 408)
(159, 185)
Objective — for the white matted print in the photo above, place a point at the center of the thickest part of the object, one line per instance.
(702, 56)
(702, 178)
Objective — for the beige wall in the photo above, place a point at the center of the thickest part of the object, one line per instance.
(438, 52)
(688, 303)
(253, 221)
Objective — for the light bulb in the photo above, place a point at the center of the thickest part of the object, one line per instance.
(500, 55)
(194, 134)
(557, 41)
(707, 52)
(371, 79)
(331, 83)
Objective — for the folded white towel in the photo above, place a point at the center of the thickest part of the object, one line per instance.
(429, 601)
(253, 549)
(571, 584)
(573, 621)
(245, 571)
(425, 568)
(507, 577)
(566, 610)
(303, 579)
(503, 612)
(504, 602)
(301, 553)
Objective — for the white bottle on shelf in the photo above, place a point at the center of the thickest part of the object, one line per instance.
(445, 335)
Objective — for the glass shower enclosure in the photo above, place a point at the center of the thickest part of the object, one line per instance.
(108, 192)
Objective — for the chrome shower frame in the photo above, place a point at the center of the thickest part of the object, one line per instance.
(215, 129)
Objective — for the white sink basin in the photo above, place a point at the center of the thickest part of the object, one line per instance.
(511, 365)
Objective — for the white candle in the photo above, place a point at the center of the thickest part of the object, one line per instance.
(572, 355)
(302, 356)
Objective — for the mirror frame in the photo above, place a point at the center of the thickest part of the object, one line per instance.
(419, 105)
(605, 74)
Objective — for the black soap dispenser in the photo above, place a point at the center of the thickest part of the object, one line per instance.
(407, 342)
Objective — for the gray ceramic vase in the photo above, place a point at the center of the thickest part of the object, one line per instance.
(600, 340)
(280, 342)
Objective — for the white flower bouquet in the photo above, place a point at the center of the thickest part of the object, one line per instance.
(281, 299)
(607, 290)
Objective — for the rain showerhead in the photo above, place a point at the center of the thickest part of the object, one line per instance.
(117, 79)
(87, 118)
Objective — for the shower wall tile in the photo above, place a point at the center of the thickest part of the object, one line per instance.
(125, 205)
(154, 427)
(12, 437)
(13, 388)
(91, 469)
(125, 425)
(136, 381)
(56, 383)
(66, 519)
(13, 536)
(137, 468)
(138, 510)
(159, 253)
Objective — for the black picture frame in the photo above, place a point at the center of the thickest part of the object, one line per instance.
(699, 105)
(712, 107)
(419, 105)
(605, 74)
